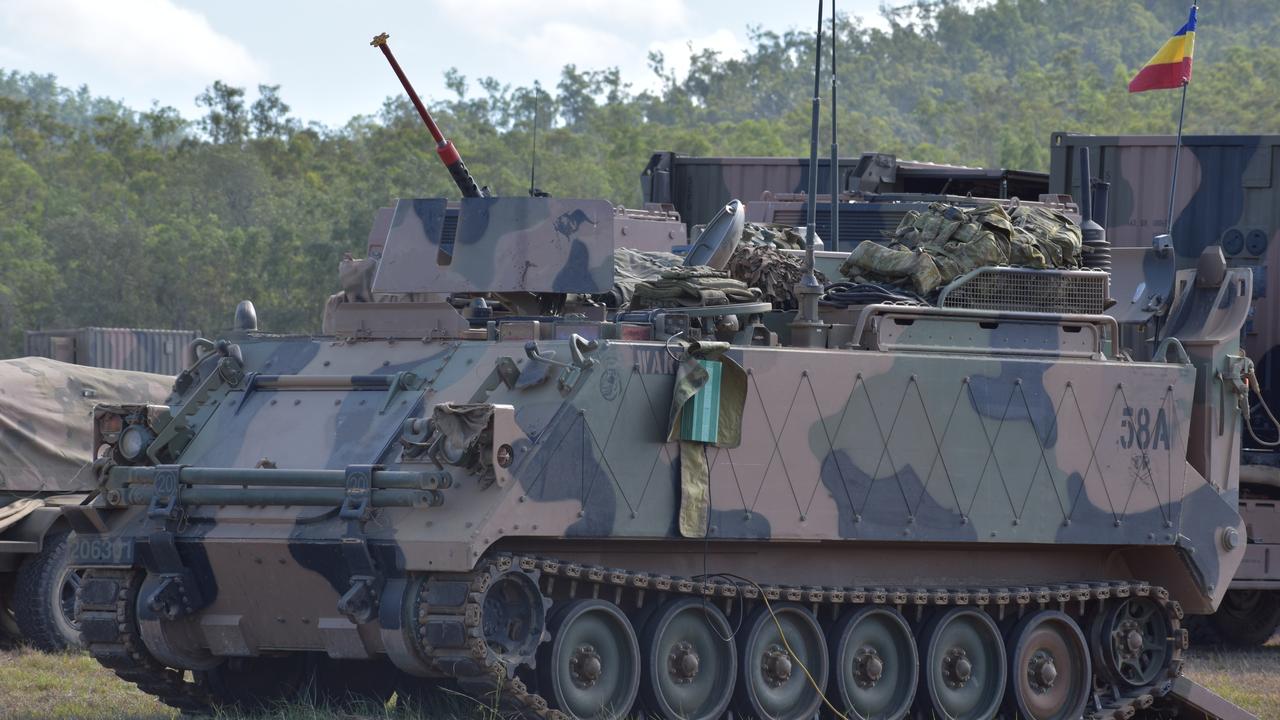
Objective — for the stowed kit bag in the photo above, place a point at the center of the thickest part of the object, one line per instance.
(931, 248)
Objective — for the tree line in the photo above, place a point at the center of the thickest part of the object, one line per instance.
(115, 216)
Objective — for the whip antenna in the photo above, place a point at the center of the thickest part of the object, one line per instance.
(835, 144)
(533, 159)
(807, 330)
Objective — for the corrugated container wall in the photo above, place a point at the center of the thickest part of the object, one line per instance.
(156, 351)
(1226, 183)
(699, 186)
(1228, 194)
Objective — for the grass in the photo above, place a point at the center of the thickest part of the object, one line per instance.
(1248, 678)
(38, 685)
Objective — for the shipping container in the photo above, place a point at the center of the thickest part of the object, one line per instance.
(145, 350)
(697, 187)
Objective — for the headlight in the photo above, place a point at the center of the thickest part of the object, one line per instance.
(134, 441)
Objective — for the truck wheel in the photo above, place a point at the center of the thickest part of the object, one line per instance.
(44, 597)
(1247, 618)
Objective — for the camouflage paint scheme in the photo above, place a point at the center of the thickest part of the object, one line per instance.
(1228, 194)
(1008, 456)
(420, 254)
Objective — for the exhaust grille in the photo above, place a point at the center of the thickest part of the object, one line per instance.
(1024, 290)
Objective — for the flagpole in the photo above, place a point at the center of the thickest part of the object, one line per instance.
(1177, 151)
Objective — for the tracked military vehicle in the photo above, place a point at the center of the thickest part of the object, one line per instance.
(484, 480)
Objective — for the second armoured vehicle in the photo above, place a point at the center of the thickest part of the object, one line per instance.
(482, 477)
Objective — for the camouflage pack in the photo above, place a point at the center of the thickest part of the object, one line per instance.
(931, 248)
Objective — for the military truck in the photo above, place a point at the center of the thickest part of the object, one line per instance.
(1228, 195)
(46, 407)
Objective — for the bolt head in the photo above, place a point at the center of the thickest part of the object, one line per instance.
(1133, 641)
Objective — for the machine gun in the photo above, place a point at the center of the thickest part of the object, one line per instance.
(445, 149)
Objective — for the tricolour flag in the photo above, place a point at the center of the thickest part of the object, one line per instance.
(1170, 67)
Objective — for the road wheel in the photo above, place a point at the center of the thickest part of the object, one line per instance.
(1247, 618)
(963, 674)
(780, 644)
(591, 667)
(45, 597)
(874, 666)
(1050, 675)
(690, 661)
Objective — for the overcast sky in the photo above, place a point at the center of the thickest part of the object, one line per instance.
(141, 51)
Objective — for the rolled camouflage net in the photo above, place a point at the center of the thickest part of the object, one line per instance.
(931, 248)
(769, 270)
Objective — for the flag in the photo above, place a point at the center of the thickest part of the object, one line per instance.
(1170, 67)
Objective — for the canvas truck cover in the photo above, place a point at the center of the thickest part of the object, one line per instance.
(46, 419)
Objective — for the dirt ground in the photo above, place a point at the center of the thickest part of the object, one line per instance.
(36, 685)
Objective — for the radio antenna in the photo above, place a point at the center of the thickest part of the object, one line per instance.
(807, 329)
(835, 144)
(533, 160)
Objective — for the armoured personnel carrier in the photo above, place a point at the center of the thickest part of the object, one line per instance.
(483, 478)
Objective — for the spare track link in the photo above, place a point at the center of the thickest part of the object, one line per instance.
(442, 604)
(106, 607)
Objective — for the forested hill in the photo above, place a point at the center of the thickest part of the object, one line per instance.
(116, 216)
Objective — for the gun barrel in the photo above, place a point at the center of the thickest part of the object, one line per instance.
(448, 153)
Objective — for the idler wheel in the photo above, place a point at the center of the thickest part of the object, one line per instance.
(514, 617)
(779, 645)
(874, 664)
(964, 664)
(1049, 670)
(591, 667)
(691, 661)
(1132, 641)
